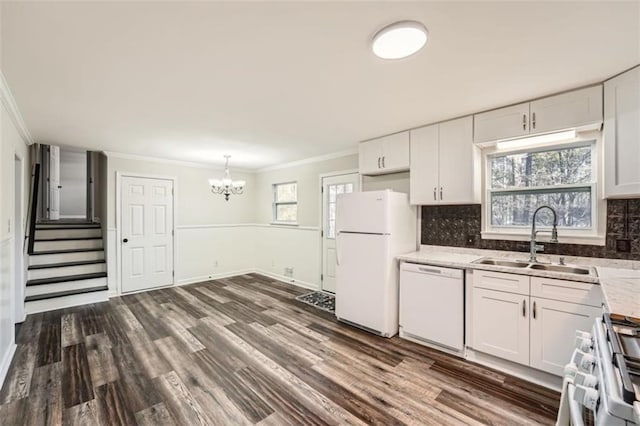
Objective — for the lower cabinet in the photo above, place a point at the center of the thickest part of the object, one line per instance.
(534, 331)
(553, 331)
(501, 324)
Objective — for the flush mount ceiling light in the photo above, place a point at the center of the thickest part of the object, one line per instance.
(399, 40)
(226, 186)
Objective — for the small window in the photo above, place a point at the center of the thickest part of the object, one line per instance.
(561, 177)
(285, 202)
(333, 191)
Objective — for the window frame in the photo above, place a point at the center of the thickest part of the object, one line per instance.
(594, 235)
(276, 203)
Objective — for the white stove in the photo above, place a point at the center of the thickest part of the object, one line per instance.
(602, 381)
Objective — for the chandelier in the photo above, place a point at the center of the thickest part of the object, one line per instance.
(226, 186)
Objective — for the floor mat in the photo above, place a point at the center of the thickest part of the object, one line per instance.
(320, 300)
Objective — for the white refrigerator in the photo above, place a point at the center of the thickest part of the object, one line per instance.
(372, 228)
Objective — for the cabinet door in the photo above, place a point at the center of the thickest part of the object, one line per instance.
(622, 135)
(501, 324)
(423, 179)
(572, 109)
(503, 123)
(370, 157)
(553, 331)
(459, 164)
(395, 152)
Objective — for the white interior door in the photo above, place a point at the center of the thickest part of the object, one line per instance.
(147, 233)
(331, 187)
(54, 182)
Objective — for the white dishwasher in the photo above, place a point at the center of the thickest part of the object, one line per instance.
(432, 306)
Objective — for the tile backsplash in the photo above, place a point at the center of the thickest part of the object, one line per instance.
(460, 226)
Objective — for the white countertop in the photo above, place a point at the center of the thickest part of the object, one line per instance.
(619, 279)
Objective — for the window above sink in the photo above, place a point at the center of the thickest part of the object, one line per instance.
(564, 175)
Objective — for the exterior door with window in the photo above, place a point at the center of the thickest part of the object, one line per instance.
(332, 186)
(147, 233)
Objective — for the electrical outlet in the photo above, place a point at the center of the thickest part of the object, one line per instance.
(623, 245)
(288, 272)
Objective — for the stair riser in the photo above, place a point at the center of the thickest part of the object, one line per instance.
(47, 259)
(64, 286)
(35, 274)
(68, 233)
(68, 244)
(64, 302)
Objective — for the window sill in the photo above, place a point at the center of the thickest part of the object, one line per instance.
(592, 240)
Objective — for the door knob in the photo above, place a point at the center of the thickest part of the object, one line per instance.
(126, 240)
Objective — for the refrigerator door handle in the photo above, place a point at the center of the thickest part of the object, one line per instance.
(337, 248)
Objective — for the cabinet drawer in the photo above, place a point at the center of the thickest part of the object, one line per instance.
(511, 283)
(567, 291)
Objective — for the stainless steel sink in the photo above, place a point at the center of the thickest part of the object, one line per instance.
(562, 268)
(539, 266)
(500, 262)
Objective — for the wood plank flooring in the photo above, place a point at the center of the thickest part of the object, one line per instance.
(243, 351)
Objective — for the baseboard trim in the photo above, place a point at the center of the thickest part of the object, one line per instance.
(6, 361)
(287, 280)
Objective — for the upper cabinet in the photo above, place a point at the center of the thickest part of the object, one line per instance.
(445, 165)
(389, 154)
(622, 135)
(565, 111)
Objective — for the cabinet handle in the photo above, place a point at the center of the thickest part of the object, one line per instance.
(534, 310)
(383, 166)
(435, 190)
(524, 308)
(440, 193)
(533, 120)
(524, 121)
(378, 162)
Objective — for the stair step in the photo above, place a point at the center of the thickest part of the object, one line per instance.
(64, 251)
(98, 295)
(70, 268)
(65, 264)
(67, 239)
(67, 226)
(51, 233)
(64, 256)
(68, 244)
(66, 278)
(56, 294)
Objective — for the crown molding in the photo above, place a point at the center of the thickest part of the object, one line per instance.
(9, 103)
(338, 154)
(208, 166)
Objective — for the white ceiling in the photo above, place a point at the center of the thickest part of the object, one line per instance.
(277, 82)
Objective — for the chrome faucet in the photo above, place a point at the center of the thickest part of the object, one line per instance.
(533, 247)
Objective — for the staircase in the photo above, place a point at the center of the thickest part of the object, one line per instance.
(66, 267)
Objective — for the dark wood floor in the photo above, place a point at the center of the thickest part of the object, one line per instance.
(243, 351)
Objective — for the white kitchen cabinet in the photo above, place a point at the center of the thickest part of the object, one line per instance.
(622, 135)
(445, 164)
(567, 110)
(389, 154)
(503, 123)
(575, 109)
(553, 330)
(531, 320)
(501, 324)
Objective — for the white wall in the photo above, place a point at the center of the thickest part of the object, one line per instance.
(398, 182)
(73, 179)
(216, 238)
(11, 144)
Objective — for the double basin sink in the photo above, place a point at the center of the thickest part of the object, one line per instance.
(538, 266)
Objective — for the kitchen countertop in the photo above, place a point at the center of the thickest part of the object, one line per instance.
(619, 279)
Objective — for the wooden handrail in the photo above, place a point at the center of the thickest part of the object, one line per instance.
(33, 205)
